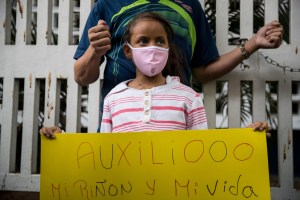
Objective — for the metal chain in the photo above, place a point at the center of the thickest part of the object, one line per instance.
(276, 64)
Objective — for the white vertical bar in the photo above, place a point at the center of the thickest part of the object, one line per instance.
(271, 10)
(222, 24)
(85, 7)
(21, 20)
(294, 24)
(94, 106)
(3, 19)
(64, 22)
(295, 42)
(285, 135)
(44, 21)
(74, 106)
(246, 20)
(52, 97)
(29, 124)
(6, 130)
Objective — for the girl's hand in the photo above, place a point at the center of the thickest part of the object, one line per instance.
(261, 126)
(49, 132)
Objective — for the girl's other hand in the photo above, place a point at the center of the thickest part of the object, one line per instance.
(261, 126)
(49, 132)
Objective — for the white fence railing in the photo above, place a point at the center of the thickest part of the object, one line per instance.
(24, 66)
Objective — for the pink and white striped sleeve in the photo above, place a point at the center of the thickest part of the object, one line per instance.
(106, 123)
(196, 118)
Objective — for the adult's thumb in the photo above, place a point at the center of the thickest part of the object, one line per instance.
(101, 22)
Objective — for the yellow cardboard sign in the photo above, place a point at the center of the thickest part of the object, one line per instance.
(205, 164)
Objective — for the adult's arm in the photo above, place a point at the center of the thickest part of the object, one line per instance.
(86, 68)
(269, 36)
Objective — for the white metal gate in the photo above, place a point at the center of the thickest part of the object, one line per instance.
(43, 61)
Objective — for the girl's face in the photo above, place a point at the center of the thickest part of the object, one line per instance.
(148, 33)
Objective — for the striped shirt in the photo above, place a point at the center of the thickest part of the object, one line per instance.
(172, 106)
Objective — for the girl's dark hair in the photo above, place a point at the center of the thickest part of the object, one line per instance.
(175, 64)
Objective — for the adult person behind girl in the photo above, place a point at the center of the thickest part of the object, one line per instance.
(153, 101)
(104, 30)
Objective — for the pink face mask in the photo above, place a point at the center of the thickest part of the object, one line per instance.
(150, 60)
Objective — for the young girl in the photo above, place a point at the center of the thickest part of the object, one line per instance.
(154, 100)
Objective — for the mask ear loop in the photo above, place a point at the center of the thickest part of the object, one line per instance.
(127, 43)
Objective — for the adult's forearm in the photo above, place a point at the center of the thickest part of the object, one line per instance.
(86, 68)
(224, 64)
